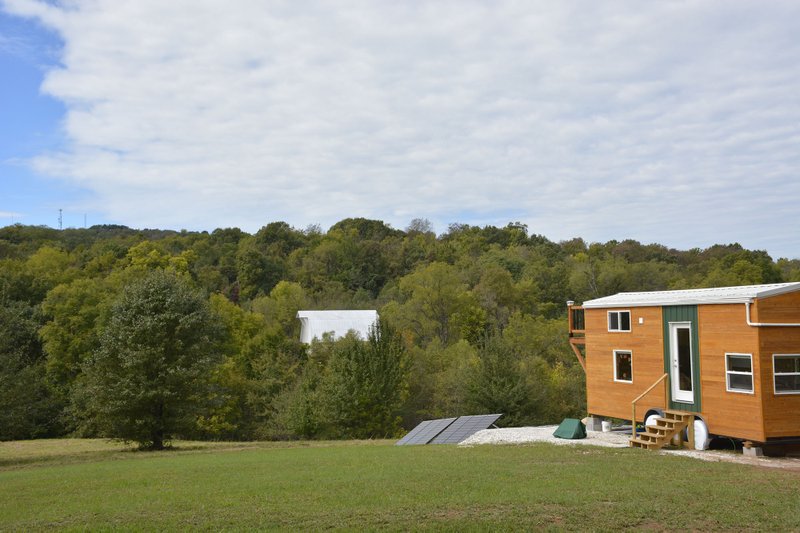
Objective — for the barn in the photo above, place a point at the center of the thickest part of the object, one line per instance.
(314, 324)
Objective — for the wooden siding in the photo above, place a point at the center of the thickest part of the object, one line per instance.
(781, 411)
(606, 397)
(784, 308)
(723, 329)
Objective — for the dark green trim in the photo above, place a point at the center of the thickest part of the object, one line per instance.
(683, 313)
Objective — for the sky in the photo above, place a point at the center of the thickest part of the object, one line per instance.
(676, 122)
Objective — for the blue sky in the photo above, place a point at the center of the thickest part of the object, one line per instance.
(669, 122)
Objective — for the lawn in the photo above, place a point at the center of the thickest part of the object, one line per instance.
(87, 484)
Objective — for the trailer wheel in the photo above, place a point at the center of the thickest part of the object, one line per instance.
(650, 417)
(701, 435)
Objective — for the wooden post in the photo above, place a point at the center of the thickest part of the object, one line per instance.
(578, 354)
(690, 432)
(569, 316)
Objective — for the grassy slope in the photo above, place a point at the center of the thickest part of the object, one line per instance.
(246, 486)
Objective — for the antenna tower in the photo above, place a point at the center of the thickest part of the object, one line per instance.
(60, 219)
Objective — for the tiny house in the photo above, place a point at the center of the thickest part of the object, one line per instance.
(728, 356)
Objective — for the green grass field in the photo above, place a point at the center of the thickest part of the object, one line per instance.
(91, 484)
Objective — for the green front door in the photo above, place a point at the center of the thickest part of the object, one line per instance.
(682, 357)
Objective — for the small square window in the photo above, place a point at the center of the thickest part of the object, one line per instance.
(786, 372)
(623, 366)
(739, 372)
(619, 321)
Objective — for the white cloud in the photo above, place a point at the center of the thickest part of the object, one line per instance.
(675, 122)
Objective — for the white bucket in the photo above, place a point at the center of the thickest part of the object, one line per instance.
(606, 426)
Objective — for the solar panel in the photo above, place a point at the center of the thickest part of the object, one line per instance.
(464, 427)
(425, 431)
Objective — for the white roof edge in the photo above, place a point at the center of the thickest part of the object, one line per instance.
(656, 303)
(708, 296)
(786, 288)
(338, 314)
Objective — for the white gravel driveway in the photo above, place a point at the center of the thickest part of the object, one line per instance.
(611, 439)
(617, 439)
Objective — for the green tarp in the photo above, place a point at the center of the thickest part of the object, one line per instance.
(571, 428)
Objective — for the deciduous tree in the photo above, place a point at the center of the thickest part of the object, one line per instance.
(149, 380)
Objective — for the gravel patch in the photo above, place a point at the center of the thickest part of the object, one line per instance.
(611, 439)
(785, 463)
(617, 439)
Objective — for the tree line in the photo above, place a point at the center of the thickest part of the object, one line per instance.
(149, 335)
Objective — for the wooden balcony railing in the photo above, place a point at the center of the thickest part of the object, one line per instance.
(577, 323)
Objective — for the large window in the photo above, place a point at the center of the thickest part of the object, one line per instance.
(623, 366)
(619, 321)
(739, 372)
(786, 369)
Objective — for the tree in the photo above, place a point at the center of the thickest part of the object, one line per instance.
(149, 379)
(76, 311)
(28, 409)
(258, 270)
(281, 306)
(365, 385)
(435, 298)
(503, 383)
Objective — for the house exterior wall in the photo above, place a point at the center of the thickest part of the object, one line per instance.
(606, 397)
(723, 329)
(683, 314)
(781, 411)
(784, 308)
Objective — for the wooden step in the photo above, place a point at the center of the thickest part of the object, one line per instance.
(666, 422)
(648, 445)
(677, 415)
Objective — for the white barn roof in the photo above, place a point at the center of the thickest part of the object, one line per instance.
(313, 324)
(717, 295)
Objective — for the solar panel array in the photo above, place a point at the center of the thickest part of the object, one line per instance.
(447, 430)
(464, 427)
(425, 431)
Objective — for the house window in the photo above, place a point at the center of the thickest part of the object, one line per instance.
(739, 372)
(786, 368)
(619, 321)
(623, 366)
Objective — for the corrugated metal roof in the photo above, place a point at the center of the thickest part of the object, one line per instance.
(313, 324)
(716, 295)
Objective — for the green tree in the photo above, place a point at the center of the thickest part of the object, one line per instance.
(365, 385)
(435, 298)
(149, 379)
(27, 407)
(281, 306)
(501, 382)
(260, 362)
(258, 269)
(76, 313)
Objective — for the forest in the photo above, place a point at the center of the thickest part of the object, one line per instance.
(149, 335)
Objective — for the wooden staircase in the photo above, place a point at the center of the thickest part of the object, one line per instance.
(668, 427)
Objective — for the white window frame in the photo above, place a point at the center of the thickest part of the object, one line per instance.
(630, 352)
(619, 322)
(729, 372)
(775, 374)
